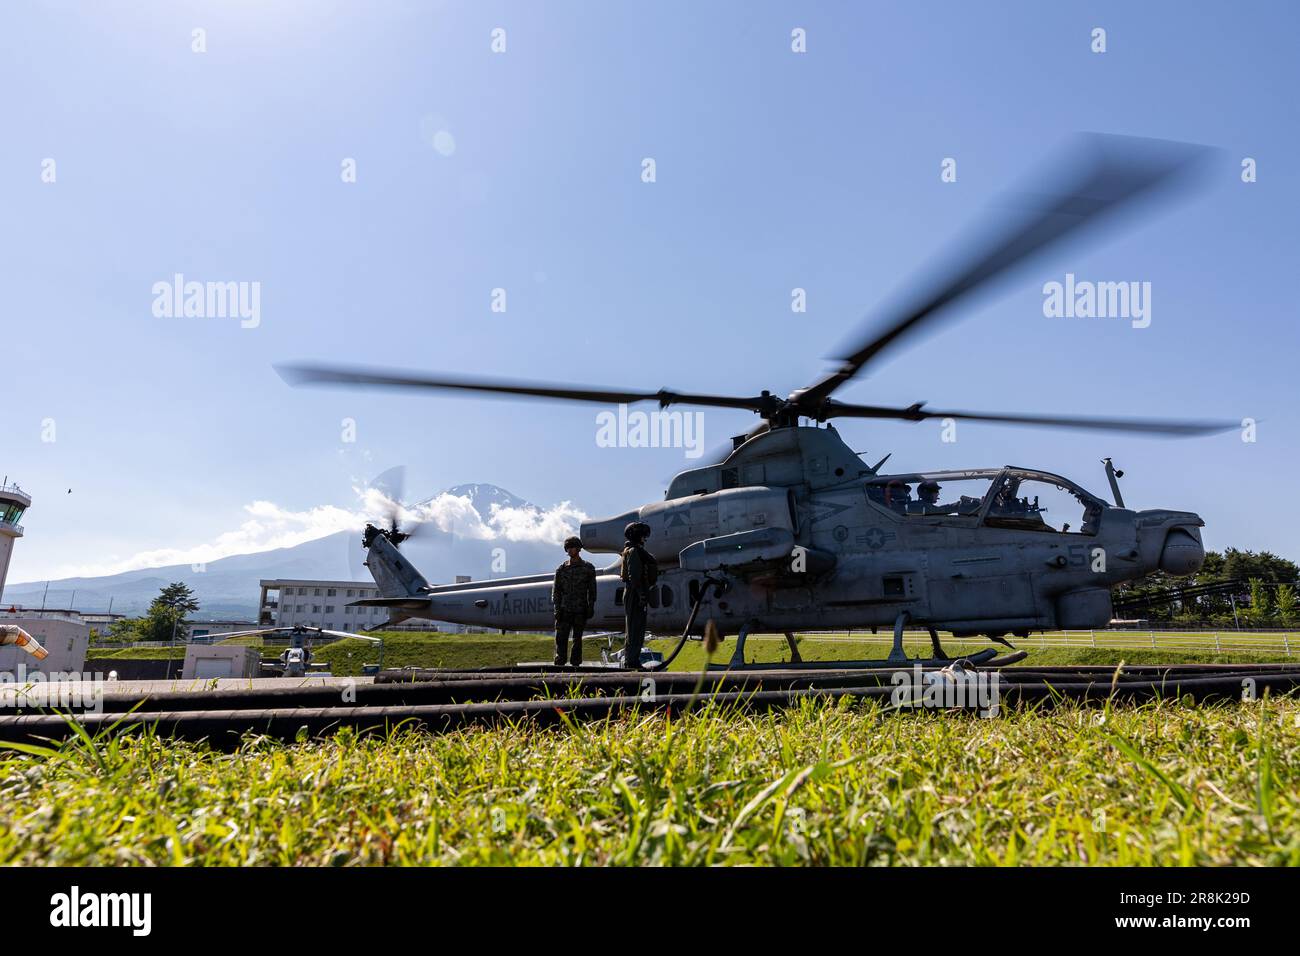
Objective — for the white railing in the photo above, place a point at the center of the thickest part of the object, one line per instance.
(1264, 642)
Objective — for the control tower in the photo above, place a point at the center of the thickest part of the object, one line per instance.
(13, 502)
(62, 633)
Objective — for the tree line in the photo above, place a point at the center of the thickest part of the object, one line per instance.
(1266, 597)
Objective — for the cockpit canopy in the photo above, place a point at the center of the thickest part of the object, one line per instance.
(1011, 497)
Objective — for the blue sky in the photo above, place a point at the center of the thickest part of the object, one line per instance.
(775, 170)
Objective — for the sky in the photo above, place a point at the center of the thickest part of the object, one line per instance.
(146, 437)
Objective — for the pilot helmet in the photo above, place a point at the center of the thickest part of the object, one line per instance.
(927, 488)
(636, 531)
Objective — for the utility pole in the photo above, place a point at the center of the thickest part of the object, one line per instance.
(171, 651)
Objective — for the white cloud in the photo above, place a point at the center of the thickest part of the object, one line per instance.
(532, 524)
(456, 514)
(269, 526)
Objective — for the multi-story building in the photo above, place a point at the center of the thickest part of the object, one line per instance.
(101, 622)
(205, 632)
(285, 602)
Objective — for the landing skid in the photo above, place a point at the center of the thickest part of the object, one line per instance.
(897, 657)
(979, 659)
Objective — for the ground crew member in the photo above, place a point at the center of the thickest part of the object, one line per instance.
(574, 597)
(639, 572)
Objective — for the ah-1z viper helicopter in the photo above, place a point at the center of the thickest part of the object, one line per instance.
(793, 531)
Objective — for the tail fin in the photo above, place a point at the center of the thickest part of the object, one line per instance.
(396, 577)
(399, 609)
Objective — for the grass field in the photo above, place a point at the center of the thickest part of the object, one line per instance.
(416, 649)
(823, 783)
(404, 649)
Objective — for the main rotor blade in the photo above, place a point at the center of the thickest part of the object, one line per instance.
(1108, 173)
(354, 376)
(1146, 426)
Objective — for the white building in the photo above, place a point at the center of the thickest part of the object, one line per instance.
(101, 622)
(286, 602)
(62, 633)
(205, 632)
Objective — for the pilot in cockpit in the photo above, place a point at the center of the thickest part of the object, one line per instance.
(1091, 519)
(1006, 502)
(928, 493)
(898, 495)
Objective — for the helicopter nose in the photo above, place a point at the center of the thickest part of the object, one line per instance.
(606, 534)
(1171, 541)
(1183, 552)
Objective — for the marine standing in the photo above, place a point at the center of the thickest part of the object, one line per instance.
(574, 597)
(639, 572)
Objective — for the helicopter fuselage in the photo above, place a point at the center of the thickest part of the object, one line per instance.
(801, 535)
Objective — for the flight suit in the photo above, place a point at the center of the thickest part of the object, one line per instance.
(574, 597)
(639, 572)
(924, 507)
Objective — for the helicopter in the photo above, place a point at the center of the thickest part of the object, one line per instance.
(296, 659)
(790, 530)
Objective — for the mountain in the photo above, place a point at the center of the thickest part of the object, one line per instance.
(483, 497)
(229, 587)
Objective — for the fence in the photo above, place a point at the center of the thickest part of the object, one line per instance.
(1263, 642)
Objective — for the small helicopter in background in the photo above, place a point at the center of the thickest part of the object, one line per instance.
(791, 530)
(296, 658)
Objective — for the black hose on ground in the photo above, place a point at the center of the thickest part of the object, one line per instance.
(709, 583)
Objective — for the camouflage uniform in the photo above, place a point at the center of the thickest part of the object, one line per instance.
(639, 573)
(574, 597)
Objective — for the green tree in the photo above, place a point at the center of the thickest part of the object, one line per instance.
(1232, 564)
(1285, 602)
(1258, 601)
(1244, 565)
(167, 613)
(125, 630)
